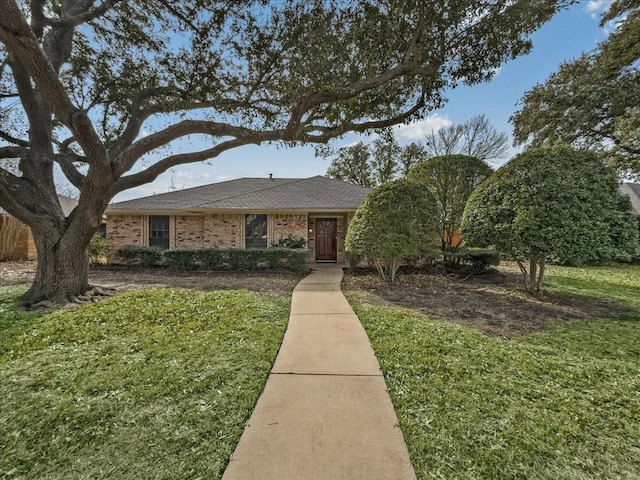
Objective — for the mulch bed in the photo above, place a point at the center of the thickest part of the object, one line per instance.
(126, 278)
(493, 303)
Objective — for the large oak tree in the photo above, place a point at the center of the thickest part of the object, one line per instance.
(593, 101)
(86, 77)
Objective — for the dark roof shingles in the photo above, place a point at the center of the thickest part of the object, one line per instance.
(256, 193)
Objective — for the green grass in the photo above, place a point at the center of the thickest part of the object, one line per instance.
(154, 384)
(563, 404)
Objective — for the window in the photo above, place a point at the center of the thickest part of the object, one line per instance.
(159, 231)
(255, 231)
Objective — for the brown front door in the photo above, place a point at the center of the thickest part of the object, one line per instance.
(326, 239)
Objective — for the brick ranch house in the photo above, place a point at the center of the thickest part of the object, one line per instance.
(243, 213)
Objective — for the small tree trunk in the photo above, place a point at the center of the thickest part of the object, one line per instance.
(380, 268)
(525, 274)
(394, 269)
(63, 267)
(540, 274)
(533, 271)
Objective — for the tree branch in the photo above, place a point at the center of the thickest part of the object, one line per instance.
(9, 184)
(187, 127)
(152, 172)
(619, 143)
(327, 133)
(16, 141)
(243, 136)
(345, 93)
(89, 15)
(37, 17)
(12, 152)
(20, 41)
(66, 143)
(178, 14)
(65, 160)
(137, 116)
(28, 99)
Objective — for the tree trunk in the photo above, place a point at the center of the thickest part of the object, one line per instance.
(380, 267)
(63, 267)
(533, 273)
(541, 275)
(394, 268)
(525, 275)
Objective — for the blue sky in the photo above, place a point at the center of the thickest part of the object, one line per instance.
(570, 33)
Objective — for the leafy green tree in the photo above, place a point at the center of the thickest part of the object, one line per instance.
(451, 179)
(552, 203)
(396, 221)
(410, 156)
(352, 164)
(385, 155)
(373, 164)
(89, 78)
(475, 138)
(593, 101)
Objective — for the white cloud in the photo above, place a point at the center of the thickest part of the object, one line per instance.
(609, 27)
(191, 175)
(594, 7)
(418, 130)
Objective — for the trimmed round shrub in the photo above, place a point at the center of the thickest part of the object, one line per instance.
(552, 204)
(397, 220)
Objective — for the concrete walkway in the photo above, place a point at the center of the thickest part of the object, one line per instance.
(325, 412)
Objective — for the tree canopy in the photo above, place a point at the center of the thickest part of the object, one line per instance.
(105, 89)
(593, 101)
(552, 203)
(396, 221)
(450, 179)
(385, 160)
(474, 138)
(370, 165)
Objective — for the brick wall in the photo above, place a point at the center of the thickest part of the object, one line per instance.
(342, 232)
(185, 231)
(125, 230)
(216, 231)
(287, 224)
(188, 231)
(224, 231)
(207, 231)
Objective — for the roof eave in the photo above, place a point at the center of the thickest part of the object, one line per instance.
(209, 211)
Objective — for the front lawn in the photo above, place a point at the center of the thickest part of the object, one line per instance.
(561, 404)
(151, 384)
